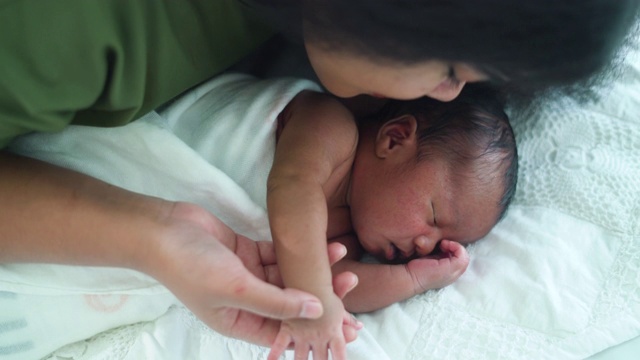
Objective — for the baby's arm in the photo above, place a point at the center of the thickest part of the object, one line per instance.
(317, 142)
(381, 285)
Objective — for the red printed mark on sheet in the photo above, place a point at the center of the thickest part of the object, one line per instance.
(106, 303)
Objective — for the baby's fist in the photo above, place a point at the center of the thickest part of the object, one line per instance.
(437, 271)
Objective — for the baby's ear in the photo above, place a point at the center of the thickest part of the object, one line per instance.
(397, 135)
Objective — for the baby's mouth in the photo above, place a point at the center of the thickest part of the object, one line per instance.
(393, 255)
(391, 252)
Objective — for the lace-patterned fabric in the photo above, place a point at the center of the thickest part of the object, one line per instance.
(112, 344)
(176, 335)
(582, 161)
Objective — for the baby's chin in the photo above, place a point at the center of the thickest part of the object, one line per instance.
(373, 252)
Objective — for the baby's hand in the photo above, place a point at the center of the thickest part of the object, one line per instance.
(318, 336)
(437, 271)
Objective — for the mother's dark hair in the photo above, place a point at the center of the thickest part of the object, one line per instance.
(532, 43)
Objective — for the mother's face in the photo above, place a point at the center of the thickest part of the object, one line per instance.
(346, 75)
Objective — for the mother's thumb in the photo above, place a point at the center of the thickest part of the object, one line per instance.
(271, 301)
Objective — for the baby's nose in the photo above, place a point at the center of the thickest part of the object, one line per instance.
(423, 245)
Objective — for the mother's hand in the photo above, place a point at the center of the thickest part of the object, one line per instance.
(230, 282)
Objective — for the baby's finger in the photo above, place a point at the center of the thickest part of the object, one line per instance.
(301, 351)
(279, 345)
(320, 352)
(454, 248)
(338, 349)
(458, 257)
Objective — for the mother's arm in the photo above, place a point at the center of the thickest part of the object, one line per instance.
(50, 214)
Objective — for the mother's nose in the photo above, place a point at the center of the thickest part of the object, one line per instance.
(449, 93)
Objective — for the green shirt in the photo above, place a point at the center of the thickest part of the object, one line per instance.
(107, 62)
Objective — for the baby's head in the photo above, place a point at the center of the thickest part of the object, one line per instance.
(472, 133)
(455, 180)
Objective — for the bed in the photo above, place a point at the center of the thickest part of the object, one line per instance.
(558, 278)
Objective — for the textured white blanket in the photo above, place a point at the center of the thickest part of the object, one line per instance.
(559, 277)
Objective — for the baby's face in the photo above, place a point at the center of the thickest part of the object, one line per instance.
(405, 212)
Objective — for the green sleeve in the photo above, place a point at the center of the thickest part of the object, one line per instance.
(107, 62)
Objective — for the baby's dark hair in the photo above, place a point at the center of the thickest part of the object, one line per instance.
(472, 131)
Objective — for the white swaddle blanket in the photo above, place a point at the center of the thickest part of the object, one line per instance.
(231, 120)
(559, 277)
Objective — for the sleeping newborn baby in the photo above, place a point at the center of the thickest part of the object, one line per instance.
(411, 185)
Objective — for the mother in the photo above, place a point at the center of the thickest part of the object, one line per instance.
(106, 63)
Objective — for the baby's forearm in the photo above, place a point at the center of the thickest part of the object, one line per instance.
(297, 216)
(379, 285)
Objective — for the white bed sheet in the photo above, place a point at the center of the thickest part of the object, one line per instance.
(558, 278)
(627, 350)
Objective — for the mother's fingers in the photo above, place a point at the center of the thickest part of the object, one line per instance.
(336, 252)
(267, 252)
(350, 333)
(344, 282)
(352, 321)
(254, 295)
